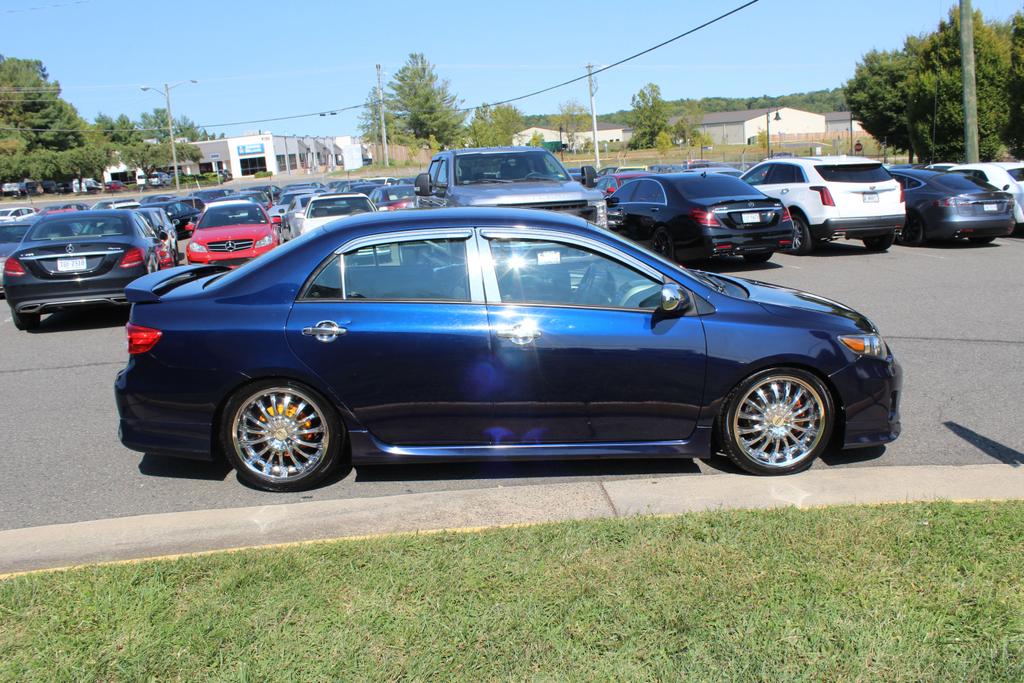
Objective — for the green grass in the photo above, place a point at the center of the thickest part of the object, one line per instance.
(893, 593)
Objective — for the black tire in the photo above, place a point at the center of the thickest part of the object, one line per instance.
(764, 257)
(913, 233)
(981, 240)
(325, 416)
(880, 242)
(25, 321)
(661, 242)
(803, 242)
(729, 421)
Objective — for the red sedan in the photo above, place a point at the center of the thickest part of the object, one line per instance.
(610, 183)
(231, 233)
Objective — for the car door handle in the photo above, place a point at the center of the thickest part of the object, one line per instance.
(655, 209)
(521, 333)
(324, 331)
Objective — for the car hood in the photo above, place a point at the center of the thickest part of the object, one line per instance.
(231, 232)
(533, 192)
(793, 303)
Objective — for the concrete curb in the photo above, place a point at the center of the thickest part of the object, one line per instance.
(148, 536)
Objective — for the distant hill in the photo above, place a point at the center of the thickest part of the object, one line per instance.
(818, 101)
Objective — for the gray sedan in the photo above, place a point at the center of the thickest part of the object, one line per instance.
(946, 206)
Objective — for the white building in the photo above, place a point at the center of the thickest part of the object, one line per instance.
(741, 127)
(840, 122)
(606, 132)
(246, 155)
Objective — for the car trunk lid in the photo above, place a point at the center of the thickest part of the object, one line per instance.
(862, 189)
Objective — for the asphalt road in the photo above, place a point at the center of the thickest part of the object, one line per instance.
(954, 316)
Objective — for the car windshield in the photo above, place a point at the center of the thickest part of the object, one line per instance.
(961, 183)
(393, 193)
(700, 186)
(236, 214)
(854, 173)
(69, 228)
(13, 232)
(507, 167)
(338, 206)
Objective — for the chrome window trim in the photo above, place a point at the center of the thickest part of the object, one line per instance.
(76, 254)
(490, 278)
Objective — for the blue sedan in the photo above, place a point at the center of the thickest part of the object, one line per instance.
(472, 334)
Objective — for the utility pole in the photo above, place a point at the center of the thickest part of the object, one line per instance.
(383, 125)
(970, 90)
(593, 116)
(170, 125)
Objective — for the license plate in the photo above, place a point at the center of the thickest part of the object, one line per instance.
(991, 207)
(870, 197)
(751, 218)
(65, 265)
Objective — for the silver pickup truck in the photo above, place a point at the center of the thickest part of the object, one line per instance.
(515, 177)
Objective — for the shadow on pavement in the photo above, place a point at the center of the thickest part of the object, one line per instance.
(179, 468)
(834, 457)
(83, 319)
(520, 470)
(993, 449)
(844, 248)
(731, 265)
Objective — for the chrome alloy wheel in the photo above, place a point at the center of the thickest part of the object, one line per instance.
(779, 421)
(279, 433)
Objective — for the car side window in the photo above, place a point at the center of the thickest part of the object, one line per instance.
(420, 270)
(784, 174)
(649, 192)
(603, 184)
(558, 274)
(442, 174)
(625, 191)
(758, 175)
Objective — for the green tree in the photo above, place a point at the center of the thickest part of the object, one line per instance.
(507, 121)
(423, 103)
(663, 142)
(119, 131)
(536, 140)
(935, 95)
(877, 94)
(648, 118)
(494, 127)
(87, 160)
(369, 121)
(32, 103)
(571, 119)
(1015, 124)
(153, 125)
(687, 122)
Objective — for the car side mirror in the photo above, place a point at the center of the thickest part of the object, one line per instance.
(609, 190)
(612, 201)
(673, 299)
(1006, 187)
(162, 235)
(588, 176)
(423, 185)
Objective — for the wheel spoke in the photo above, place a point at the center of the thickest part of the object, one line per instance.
(280, 434)
(778, 422)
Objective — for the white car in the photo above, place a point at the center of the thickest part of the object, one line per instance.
(832, 198)
(1005, 176)
(325, 208)
(13, 213)
(115, 204)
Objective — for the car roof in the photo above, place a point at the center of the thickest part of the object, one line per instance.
(919, 173)
(841, 160)
(458, 217)
(232, 202)
(88, 213)
(493, 150)
(338, 195)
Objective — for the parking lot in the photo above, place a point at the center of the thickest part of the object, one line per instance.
(952, 314)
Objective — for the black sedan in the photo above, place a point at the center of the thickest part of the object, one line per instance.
(689, 216)
(11, 234)
(76, 259)
(948, 206)
(180, 213)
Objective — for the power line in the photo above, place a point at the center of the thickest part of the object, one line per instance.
(331, 112)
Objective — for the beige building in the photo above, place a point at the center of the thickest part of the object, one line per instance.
(606, 132)
(741, 127)
(839, 122)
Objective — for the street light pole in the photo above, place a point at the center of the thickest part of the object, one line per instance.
(593, 116)
(170, 126)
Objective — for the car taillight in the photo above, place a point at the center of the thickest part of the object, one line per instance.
(275, 219)
(704, 217)
(826, 196)
(948, 201)
(13, 268)
(132, 258)
(786, 215)
(141, 339)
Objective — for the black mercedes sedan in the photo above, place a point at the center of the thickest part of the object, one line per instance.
(180, 213)
(949, 206)
(689, 216)
(75, 259)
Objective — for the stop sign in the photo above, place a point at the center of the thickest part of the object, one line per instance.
(858, 147)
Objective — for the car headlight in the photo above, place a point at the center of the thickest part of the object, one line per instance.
(864, 344)
(601, 213)
(196, 247)
(265, 241)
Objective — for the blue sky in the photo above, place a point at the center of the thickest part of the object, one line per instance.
(322, 53)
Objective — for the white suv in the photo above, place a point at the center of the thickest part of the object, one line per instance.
(326, 208)
(834, 197)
